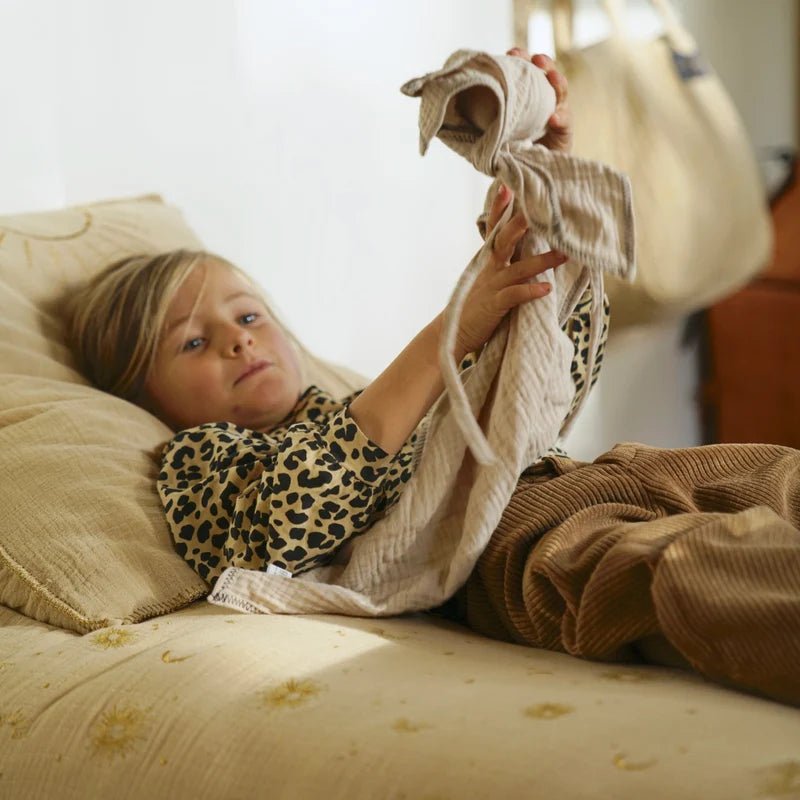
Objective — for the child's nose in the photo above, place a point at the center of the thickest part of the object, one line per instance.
(238, 339)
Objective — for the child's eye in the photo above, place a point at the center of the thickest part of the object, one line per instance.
(188, 346)
(251, 314)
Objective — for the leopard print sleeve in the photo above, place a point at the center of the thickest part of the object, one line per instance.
(238, 497)
(578, 328)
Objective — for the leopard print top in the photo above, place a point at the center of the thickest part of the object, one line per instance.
(236, 497)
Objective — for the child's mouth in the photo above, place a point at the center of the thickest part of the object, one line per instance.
(252, 369)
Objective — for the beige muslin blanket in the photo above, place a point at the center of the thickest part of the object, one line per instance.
(491, 110)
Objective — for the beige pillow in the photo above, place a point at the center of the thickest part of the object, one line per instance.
(83, 539)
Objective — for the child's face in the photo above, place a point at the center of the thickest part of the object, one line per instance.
(197, 375)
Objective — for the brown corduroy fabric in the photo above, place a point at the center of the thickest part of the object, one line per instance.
(656, 555)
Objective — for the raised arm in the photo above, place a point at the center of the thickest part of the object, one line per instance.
(392, 406)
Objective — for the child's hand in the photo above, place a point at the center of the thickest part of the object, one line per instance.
(559, 126)
(499, 287)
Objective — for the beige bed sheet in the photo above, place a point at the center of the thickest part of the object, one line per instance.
(207, 703)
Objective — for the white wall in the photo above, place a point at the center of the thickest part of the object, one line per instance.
(280, 129)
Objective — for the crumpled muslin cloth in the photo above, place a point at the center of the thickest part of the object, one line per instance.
(515, 401)
(582, 208)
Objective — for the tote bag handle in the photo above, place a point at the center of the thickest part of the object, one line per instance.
(563, 14)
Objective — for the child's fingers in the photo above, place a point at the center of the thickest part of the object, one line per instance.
(543, 61)
(518, 51)
(501, 199)
(507, 238)
(518, 293)
(536, 265)
(554, 76)
(559, 83)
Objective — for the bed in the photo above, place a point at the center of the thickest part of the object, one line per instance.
(118, 679)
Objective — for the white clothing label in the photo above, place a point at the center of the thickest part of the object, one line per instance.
(273, 570)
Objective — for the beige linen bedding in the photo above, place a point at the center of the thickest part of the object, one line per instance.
(205, 703)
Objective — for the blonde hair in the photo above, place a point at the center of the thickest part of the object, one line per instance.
(114, 321)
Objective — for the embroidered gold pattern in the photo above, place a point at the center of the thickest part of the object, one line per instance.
(85, 225)
(620, 761)
(384, 634)
(625, 676)
(18, 722)
(168, 659)
(548, 710)
(403, 725)
(113, 637)
(290, 694)
(781, 780)
(119, 731)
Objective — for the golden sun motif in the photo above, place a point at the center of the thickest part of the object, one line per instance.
(781, 780)
(548, 710)
(625, 676)
(168, 659)
(403, 725)
(119, 730)
(620, 761)
(18, 722)
(113, 637)
(290, 694)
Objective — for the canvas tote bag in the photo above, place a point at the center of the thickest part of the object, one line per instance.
(655, 110)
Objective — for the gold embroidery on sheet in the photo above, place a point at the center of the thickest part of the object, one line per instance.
(119, 731)
(620, 761)
(18, 722)
(113, 637)
(626, 676)
(548, 710)
(403, 725)
(290, 694)
(168, 659)
(781, 780)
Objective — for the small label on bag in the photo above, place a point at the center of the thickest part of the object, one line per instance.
(689, 65)
(273, 570)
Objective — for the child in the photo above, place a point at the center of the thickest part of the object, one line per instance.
(265, 470)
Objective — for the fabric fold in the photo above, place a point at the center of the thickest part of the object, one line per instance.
(491, 110)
